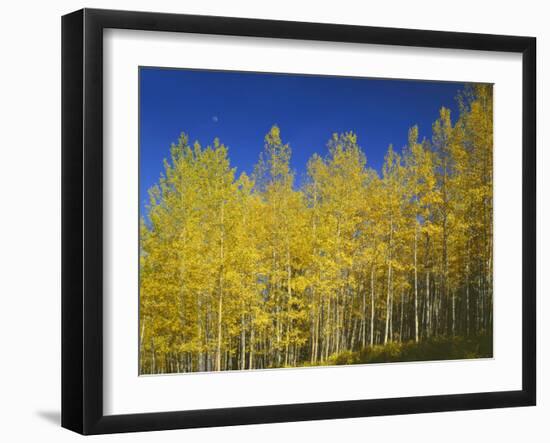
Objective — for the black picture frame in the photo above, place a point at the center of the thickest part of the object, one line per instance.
(82, 218)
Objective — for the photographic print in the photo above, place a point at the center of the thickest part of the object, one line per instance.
(292, 220)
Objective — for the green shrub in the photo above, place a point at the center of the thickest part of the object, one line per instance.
(344, 358)
(438, 348)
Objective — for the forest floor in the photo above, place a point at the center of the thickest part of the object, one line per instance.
(438, 348)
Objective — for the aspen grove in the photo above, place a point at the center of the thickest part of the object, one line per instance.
(252, 271)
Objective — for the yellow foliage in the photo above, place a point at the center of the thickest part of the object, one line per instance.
(251, 272)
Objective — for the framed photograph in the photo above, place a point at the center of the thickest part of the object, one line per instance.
(269, 221)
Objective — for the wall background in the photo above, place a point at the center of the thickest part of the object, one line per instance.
(30, 184)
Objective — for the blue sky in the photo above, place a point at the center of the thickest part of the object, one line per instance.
(239, 108)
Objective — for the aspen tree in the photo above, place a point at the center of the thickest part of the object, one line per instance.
(250, 272)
